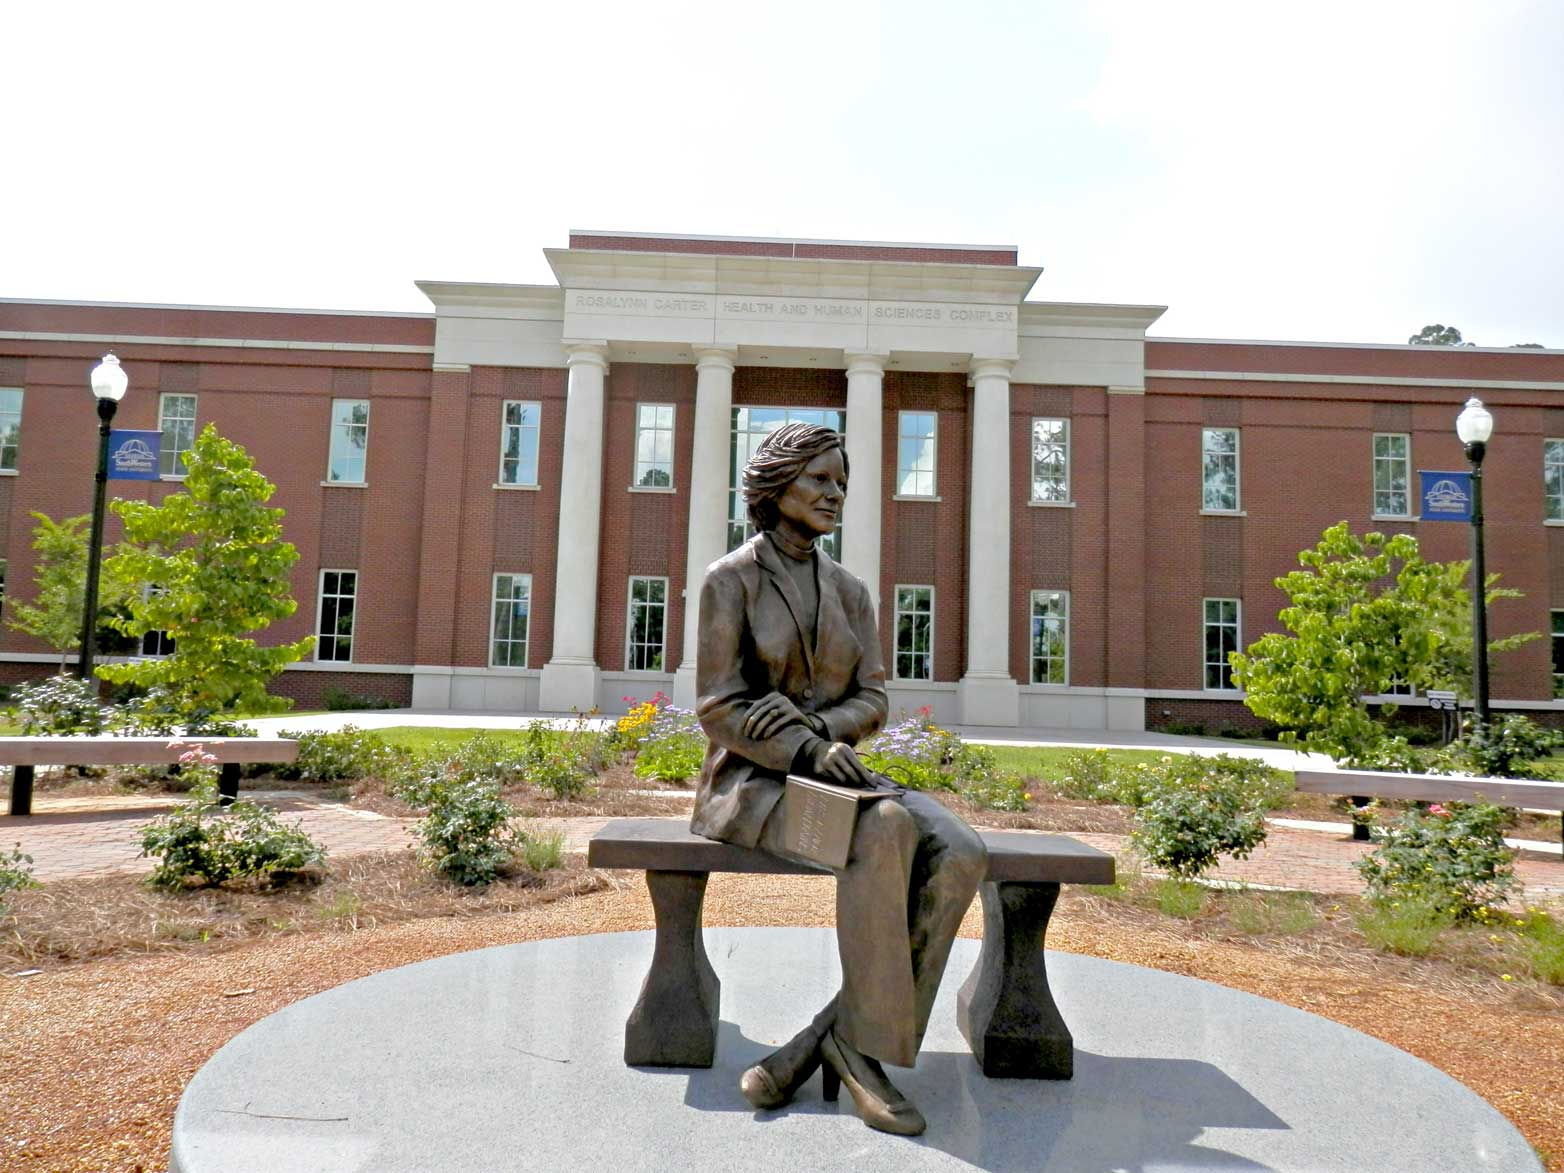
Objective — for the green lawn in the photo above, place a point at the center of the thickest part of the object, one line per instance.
(421, 739)
(1047, 761)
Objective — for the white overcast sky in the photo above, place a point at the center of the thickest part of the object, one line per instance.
(1267, 169)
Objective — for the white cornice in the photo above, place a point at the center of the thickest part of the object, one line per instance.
(790, 240)
(1043, 318)
(235, 343)
(1442, 350)
(1357, 380)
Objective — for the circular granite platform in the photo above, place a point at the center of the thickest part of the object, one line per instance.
(509, 1058)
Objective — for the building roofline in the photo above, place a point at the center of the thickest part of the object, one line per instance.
(224, 309)
(1359, 345)
(793, 240)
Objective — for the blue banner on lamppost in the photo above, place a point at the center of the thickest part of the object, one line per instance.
(133, 456)
(1447, 496)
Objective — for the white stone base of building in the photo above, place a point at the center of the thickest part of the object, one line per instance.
(568, 686)
(988, 700)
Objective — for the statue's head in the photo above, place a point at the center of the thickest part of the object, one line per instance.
(776, 464)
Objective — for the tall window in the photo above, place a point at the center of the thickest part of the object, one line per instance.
(917, 433)
(648, 609)
(751, 425)
(1050, 460)
(155, 643)
(1392, 475)
(3, 568)
(1552, 479)
(653, 445)
(349, 440)
(1221, 639)
(519, 442)
(1050, 637)
(10, 426)
(334, 631)
(512, 612)
(1558, 652)
(1219, 469)
(914, 633)
(176, 416)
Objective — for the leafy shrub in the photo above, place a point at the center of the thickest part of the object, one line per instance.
(1197, 809)
(58, 707)
(16, 871)
(1003, 791)
(1451, 858)
(1410, 928)
(922, 756)
(345, 755)
(160, 712)
(340, 700)
(562, 763)
(466, 835)
(671, 747)
(201, 844)
(1506, 748)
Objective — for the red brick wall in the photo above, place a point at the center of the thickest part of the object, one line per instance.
(924, 543)
(643, 533)
(309, 689)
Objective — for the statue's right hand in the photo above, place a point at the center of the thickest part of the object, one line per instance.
(836, 762)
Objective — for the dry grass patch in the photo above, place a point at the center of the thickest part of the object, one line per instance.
(108, 916)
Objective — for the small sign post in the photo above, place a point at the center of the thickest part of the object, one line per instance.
(133, 455)
(1447, 496)
(1446, 705)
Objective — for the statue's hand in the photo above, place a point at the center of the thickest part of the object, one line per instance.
(768, 715)
(836, 762)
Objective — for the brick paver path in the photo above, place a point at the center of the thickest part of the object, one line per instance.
(97, 834)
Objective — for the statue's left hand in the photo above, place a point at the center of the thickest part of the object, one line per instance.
(770, 714)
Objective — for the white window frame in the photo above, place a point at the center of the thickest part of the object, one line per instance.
(1063, 483)
(654, 429)
(1063, 617)
(1389, 462)
(1223, 667)
(321, 635)
(1556, 647)
(1238, 468)
(896, 650)
(1553, 461)
(515, 481)
(10, 429)
(344, 429)
(5, 567)
(915, 470)
(169, 464)
(631, 606)
(495, 602)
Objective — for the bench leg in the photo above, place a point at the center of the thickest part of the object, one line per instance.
(22, 790)
(1360, 829)
(228, 784)
(674, 1023)
(1005, 1009)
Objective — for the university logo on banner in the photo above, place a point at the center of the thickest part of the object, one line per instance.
(133, 456)
(1447, 496)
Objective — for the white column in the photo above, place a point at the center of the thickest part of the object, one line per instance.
(570, 677)
(708, 524)
(988, 695)
(865, 427)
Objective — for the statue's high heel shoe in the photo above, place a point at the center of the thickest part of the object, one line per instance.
(774, 1081)
(879, 1103)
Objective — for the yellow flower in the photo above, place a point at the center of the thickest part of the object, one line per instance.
(1506, 977)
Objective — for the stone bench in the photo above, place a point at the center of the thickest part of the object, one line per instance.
(26, 753)
(1005, 1010)
(1362, 785)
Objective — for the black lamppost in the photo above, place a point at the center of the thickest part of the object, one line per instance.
(1474, 426)
(108, 385)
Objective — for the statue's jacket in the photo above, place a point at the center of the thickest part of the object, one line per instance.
(752, 642)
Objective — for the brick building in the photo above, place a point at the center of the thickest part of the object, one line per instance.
(1066, 523)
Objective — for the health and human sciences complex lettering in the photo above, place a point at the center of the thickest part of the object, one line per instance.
(791, 309)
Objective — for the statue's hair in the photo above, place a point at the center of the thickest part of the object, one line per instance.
(776, 464)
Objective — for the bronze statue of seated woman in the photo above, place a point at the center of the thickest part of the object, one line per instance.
(790, 678)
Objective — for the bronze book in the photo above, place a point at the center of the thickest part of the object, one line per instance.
(818, 818)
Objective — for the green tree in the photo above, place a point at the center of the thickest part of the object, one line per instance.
(54, 613)
(1437, 335)
(215, 568)
(1367, 614)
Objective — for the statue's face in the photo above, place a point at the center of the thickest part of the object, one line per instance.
(813, 502)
